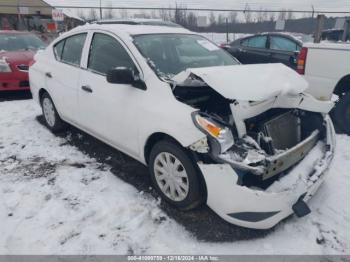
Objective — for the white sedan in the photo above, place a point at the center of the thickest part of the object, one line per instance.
(244, 139)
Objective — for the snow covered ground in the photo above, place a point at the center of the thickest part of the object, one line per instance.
(54, 199)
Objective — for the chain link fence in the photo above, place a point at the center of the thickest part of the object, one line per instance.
(220, 25)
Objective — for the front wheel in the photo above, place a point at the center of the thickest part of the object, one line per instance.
(174, 176)
(341, 114)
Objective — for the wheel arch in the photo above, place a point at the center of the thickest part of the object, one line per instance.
(158, 136)
(153, 139)
(41, 92)
(342, 86)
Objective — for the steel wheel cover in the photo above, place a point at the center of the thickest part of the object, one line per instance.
(171, 176)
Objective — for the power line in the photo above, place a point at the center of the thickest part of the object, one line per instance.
(177, 8)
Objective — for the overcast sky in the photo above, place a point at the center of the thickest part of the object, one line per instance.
(321, 5)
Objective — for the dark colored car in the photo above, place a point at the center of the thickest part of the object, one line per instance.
(266, 48)
(334, 35)
(17, 50)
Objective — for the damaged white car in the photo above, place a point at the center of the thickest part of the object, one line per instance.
(244, 139)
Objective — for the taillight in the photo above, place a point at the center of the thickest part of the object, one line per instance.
(301, 61)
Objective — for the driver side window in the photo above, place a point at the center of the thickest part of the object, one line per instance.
(107, 53)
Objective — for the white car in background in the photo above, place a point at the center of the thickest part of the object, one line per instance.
(244, 139)
(326, 67)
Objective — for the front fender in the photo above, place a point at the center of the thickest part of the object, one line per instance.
(178, 124)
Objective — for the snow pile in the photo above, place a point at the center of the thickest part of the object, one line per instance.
(56, 200)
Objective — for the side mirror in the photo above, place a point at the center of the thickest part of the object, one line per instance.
(124, 75)
(120, 75)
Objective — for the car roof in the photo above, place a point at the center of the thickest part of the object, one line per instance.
(138, 21)
(134, 29)
(292, 36)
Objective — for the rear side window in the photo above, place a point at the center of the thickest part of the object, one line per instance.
(72, 49)
(107, 53)
(256, 42)
(58, 48)
(284, 44)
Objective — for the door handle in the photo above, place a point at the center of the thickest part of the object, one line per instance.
(48, 74)
(87, 89)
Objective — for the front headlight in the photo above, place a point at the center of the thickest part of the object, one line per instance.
(4, 66)
(219, 133)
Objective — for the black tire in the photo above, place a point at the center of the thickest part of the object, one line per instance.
(341, 114)
(195, 195)
(57, 124)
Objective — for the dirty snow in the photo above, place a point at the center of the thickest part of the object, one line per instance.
(56, 200)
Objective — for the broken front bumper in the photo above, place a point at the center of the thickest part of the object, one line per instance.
(259, 209)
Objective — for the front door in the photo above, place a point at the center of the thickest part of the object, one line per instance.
(253, 50)
(109, 111)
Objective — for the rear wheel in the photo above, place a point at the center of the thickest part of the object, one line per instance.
(52, 119)
(341, 114)
(174, 175)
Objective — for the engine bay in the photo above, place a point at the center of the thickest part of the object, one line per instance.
(275, 139)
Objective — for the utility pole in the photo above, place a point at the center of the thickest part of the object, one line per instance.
(100, 10)
(346, 30)
(227, 39)
(319, 28)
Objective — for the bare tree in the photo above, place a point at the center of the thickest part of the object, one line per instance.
(221, 19)
(212, 19)
(247, 14)
(282, 14)
(290, 14)
(108, 13)
(81, 14)
(191, 20)
(154, 14)
(164, 14)
(143, 14)
(260, 15)
(265, 15)
(180, 15)
(232, 17)
(93, 14)
(123, 13)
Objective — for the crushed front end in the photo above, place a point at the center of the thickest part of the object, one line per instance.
(261, 160)
(251, 188)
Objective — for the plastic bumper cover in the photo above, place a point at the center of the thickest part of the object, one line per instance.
(252, 208)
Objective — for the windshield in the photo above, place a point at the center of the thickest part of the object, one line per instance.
(14, 42)
(170, 54)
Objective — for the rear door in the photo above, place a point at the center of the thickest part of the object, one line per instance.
(63, 74)
(253, 50)
(284, 50)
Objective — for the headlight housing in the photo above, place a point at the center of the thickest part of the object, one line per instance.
(4, 66)
(218, 133)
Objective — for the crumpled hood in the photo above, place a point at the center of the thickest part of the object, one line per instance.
(248, 82)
